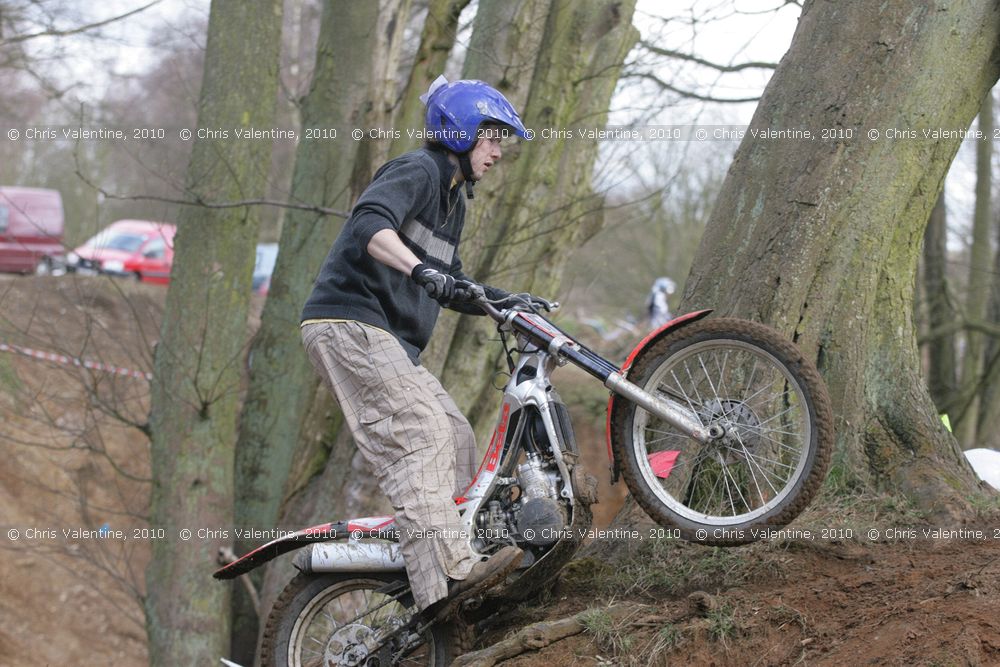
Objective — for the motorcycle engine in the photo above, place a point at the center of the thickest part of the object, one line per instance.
(541, 518)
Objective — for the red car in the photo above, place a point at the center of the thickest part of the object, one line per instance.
(137, 248)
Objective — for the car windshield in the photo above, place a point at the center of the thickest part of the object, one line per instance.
(115, 240)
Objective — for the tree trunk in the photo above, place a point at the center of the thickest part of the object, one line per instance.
(544, 203)
(989, 420)
(197, 370)
(977, 299)
(282, 383)
(820, 238)
(494, 49)
(941, 380)
(382, 66)
(436, 41)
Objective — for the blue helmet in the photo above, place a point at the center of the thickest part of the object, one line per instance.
(456, 110)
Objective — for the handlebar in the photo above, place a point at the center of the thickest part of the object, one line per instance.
(474, 294)
(543, 333)
(528, 304)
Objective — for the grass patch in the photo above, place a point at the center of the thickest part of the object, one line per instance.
(722, 623)
(599, 624)
(674, 568)
(667, 638)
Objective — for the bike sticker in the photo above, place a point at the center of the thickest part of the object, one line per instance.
(494, 453)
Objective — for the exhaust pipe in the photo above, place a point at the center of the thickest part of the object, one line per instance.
(351, 556)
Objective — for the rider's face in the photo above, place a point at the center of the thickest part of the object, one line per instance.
(486, 153)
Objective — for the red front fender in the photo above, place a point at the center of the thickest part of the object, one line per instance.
(654, 336)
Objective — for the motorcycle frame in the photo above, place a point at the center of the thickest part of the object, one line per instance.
(541, 346)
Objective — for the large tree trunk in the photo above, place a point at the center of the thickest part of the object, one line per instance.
(978, 294)
(197, 372)
(820, 238)
(941, 366)
(543, 202)
(282, 382)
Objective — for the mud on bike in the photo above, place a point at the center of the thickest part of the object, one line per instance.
(720, 428)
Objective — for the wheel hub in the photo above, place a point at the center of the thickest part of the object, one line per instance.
(739, 423)
(348, 646)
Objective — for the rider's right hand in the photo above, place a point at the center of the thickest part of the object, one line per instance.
(440, 286)
(444, 288)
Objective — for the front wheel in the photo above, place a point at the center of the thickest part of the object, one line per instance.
(776, 423)
(340, 619)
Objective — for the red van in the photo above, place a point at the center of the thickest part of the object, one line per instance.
(140, 249)
(31, 230)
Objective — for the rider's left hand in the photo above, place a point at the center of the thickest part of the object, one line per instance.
(535, 302)
(467, 291)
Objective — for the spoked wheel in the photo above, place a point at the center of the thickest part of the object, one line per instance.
(333, 620)
(770, 409)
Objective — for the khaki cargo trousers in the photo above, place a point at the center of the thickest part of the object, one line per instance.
(420, 447)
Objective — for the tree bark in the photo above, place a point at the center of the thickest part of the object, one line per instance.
(436, 41)
(197, 367)
(977, 299)
(283, 385)
(989, 420)
(382, 66)
(941, 366)
(821, 238)
(517, 238)
(494, 49)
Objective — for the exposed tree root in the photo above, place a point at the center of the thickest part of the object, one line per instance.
(539, 635)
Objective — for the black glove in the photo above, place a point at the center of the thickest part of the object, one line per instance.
(440, 286)
(536, 302)
(445, 288)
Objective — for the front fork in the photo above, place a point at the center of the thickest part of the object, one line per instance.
(671, 412)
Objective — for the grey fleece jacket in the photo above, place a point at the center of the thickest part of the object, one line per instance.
(411, 194)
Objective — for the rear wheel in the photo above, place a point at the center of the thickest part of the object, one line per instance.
(774, 412)
(338, 619)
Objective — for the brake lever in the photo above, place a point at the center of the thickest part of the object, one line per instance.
(549, 306)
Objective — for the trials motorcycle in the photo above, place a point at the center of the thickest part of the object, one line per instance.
(720, 428)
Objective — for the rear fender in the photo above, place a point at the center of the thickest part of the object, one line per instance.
(645, 343)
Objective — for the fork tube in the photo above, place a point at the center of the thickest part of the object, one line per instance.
(668, 411)
(559, 343)
(589, 361)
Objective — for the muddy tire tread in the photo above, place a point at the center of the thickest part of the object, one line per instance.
(790, 355)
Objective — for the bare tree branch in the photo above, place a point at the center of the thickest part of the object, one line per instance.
(197, 201)
(680, 55)
(687, 93)
(52, 32)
